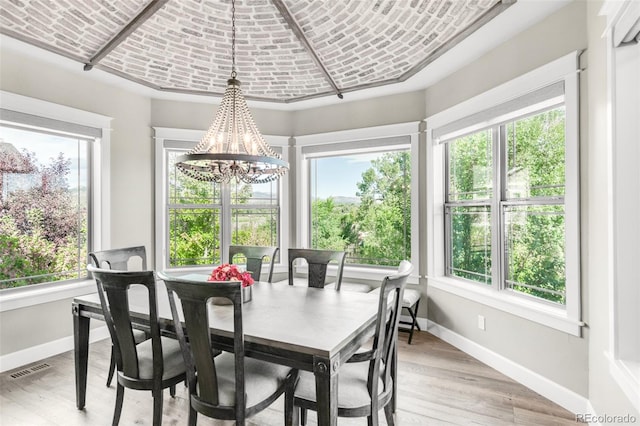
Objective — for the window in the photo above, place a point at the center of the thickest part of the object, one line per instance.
(361, 204)
(356, 194)
(46, 229)
(43, 207)
(505, 186)
(522, 191)
(194, 216)
(201, 219)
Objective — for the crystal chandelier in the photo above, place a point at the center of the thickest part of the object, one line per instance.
(233, 147)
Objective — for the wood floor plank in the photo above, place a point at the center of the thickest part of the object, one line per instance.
(437, 384)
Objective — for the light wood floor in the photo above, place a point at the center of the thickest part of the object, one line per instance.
(438, 385)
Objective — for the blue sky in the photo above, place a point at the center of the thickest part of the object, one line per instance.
(338, 176)
(46, 148)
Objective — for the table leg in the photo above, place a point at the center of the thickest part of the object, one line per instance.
(81, 354)
(326, 373)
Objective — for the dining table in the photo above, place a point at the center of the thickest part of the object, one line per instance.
(306, 328)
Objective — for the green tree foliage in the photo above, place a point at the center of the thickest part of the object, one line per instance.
(42, 229)
(384, 213)
(376, 230)
(194, 236)
(195, 231)
(470, 179)
(332, 225)
(534, 232)
(535, 237)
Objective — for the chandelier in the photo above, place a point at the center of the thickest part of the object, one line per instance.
(233, 147)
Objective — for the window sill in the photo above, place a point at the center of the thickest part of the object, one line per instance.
(549, 316)
(30, 296)
(363, 273)
(349, 272)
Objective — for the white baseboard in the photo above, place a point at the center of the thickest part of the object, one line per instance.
(562, 396)
(45, 350)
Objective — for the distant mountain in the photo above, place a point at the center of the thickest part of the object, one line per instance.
(338, 199)
(344, 200)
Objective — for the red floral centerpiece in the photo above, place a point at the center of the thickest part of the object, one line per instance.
(228, 272)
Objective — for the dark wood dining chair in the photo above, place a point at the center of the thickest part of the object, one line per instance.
(121, 259)
(369, 372)
(224, 386)
(154, 364)
(318, 262)
(254, 257)
(410, 302)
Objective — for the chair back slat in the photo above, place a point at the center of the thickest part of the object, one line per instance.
(120, 259)
(113, 291)
(318, 261)
(194, 298)
(254, 258)
(386, 334)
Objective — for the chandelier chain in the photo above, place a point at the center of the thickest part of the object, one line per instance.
(233, 38)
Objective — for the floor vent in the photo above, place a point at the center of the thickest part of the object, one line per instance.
(27, 371)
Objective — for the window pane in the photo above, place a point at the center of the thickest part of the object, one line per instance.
(535, 155)
(255, 214)
(257, 193)
(470, 243)
(195, 216)
(43, 207)
(254, 227)
(361, 204)
(186, 190)
(535, 250)
(194, 236)
(470, 167)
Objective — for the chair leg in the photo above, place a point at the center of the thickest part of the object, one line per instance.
(157, 408)
(172, 391)
(290, 410)
(118, 410)
(414, 316)
(193, 414)
(388, 413)
(112, 367)
(303, 416)
(372, 420)
(394, 375)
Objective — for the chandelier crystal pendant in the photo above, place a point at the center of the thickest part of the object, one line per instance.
(233, 147)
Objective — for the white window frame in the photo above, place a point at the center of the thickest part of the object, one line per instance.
(566, 319)
(163, 137)
(623, 93)
(100, 195)
(355, 140)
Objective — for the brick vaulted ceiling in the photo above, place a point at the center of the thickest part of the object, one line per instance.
(286, 51)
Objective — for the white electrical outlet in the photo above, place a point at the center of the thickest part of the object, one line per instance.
(481, 322)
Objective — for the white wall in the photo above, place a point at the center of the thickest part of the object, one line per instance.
(401, 108)
(553, 354)
(131, 175)
(189, 115)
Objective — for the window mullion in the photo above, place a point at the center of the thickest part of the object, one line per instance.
(498, 247)
(225, 221)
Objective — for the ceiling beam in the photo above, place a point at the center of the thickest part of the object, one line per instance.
(282, 8)
(146, 13)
